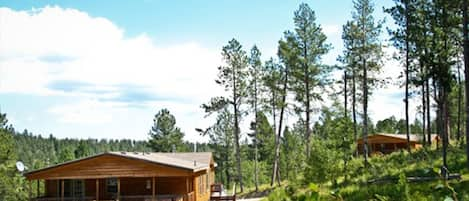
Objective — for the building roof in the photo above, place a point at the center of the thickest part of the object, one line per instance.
(412, 137)
(186, 160)
(192, 161)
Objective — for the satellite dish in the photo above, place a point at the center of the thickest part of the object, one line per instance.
(20, 166)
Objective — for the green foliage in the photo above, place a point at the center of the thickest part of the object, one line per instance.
(11, 182)
(403, 187)
(322, 164)
(290, 193)
(66, 154)
(292, 156)
(266, 138)
(165, 136)
(221, 141)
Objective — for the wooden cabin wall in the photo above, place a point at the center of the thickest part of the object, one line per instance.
(203, 194)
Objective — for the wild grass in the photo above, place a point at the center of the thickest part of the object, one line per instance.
(395, 167)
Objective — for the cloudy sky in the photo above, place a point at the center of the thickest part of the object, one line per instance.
(102, 69)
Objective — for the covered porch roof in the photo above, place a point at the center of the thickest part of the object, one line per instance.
(127, 164)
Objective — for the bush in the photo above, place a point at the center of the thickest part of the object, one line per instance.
(323, 165)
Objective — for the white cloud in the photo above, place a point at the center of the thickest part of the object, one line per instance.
(83, 112)
(52, 44)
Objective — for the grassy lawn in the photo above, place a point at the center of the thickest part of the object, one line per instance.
(396, 167)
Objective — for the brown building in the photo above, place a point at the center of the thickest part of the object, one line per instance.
(387, 143)
(128, 176)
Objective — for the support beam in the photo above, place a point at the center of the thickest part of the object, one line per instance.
(62, 188)
(187, 189)
(153, 190)
(187, 185)
(97, 189)
(195, 194)
(118, 189)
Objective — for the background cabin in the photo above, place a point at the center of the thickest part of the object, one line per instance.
(128, 176)
(387, 143)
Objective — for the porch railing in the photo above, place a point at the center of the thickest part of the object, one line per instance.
(64, 199)
(190, 197)
(187, 197)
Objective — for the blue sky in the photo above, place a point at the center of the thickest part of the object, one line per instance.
(102, 69)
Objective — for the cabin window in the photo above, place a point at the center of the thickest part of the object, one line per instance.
(148, 184)
(111, 185)
(78, 188)
(72, 188)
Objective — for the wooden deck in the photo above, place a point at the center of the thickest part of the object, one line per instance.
(217, 193)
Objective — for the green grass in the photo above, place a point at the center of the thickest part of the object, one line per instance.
(420, 163)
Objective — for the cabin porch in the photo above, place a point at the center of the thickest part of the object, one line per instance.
(385, 148)
(121, 188)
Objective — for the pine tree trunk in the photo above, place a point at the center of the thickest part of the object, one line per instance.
(458, 134)
(424, 108)
(429, 126)
(236, 131)
(345, 127)
(238, 151)
(365, 114)
(354, 112)
(276, 169)
(365, 97)
(407, 77)
(466, 73)
(308, 110)
(275, 164)
(444, 123)
(438, 112)
(256, 169)
(227, 166)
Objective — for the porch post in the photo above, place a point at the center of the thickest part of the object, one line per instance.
(118, 189)
(62, 193)
(153, 194)
(187, 189)
(194, 187)
(97, 190)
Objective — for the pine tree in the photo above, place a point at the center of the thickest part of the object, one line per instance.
(11, 182)
(369, 51)
(403, 40)
(271, 81)
(466, 71)
(165, 135)
(308, 76)
(232, 77)
(254, 100)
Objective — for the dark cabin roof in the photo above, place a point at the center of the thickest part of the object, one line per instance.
(413, 137)
(193, 161)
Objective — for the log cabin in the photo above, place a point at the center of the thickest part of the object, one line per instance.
(383, 143)
(127, 176)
